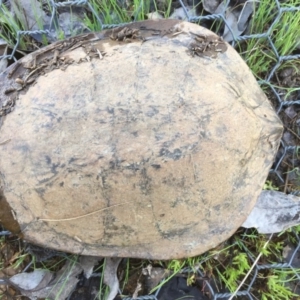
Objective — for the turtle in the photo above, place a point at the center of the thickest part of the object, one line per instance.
(151, 140)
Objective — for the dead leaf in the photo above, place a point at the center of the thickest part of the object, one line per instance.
(180, 14)
(290, 112)
(154, 16)
(288, 138)
(71, 23)
(110, 276)
(32, 281)
(87, 264)
(237, 20)
(274, 212)
(246, 12)
(52, 285)
(211, 5)
(30, 13)
(154, 276)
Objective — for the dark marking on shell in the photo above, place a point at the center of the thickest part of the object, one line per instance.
(159, 136)
(145, 182)
(156, 166)
(175, 232)
(152, 111)
(217, 208)
(110, 110)
(117, 163)
(175, 155)
(40, 191)
(134, 167)
(176, 202)
(217, 230)
(48, 159)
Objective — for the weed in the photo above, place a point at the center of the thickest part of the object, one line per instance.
(126, 278)
(277, 284)
(167, 12)
(231, 263)
(103, 289)
(66, 275)
(240, 266)
(110, 13)
(269, 186)
(12, 23)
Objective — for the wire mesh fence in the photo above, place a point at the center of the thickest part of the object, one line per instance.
(287, 154)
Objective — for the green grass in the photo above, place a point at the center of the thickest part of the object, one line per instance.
(276, 285)
(112, 13)
(230, 264)
(9, 26)
(109, 11)
(270, 186)
(284, 34)
(11, 23)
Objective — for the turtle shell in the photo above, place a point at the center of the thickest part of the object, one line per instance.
(152, 140)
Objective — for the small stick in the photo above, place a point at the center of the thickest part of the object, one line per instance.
(14, 215)
(252, 267)
(286, 179)
(32, 72)
(177, 33)
(82, 216)
(77, 239)
(292, 132)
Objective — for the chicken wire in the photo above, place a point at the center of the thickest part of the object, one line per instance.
(245, 291)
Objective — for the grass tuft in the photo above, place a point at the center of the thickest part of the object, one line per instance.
(284, 34)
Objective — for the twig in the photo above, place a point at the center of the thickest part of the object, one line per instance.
(286, 180)
(32, 72)
(252, 267)
(292, 132)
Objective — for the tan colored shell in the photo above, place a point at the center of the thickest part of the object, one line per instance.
(152, 146)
